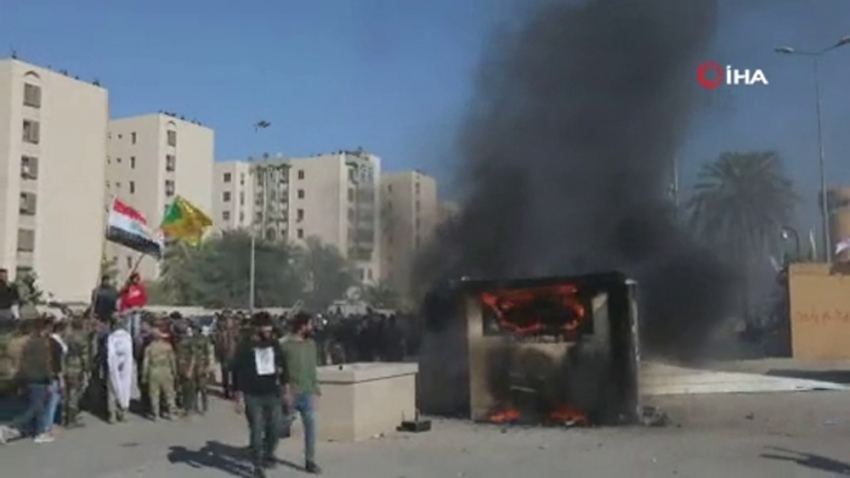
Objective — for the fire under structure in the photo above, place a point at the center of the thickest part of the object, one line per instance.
(561, 351)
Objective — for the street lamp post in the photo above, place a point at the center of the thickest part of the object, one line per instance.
(815, 56)
(262, 124)
(787, 233)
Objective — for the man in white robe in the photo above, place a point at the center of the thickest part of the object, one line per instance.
(121, 366)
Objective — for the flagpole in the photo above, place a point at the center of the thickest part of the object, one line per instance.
(252, 282)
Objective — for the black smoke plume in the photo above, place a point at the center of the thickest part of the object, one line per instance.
(567, 157)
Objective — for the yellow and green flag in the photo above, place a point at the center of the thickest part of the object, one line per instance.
(183, 221)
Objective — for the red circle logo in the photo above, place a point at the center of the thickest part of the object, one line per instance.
(705, 70)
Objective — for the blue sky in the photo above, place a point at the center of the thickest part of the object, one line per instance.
(394, 76)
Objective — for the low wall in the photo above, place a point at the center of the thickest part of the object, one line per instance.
(820, 312)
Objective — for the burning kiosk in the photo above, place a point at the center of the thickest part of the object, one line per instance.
(558, 350)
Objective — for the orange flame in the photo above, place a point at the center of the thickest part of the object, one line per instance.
(506, 415)
(503, 301)
(567, 414)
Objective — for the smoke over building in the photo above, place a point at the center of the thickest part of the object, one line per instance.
(566, 159)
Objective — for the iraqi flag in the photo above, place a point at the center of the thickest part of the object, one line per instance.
(128, 227)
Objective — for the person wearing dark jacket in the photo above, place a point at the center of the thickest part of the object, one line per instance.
(259, 380)
(40, 366)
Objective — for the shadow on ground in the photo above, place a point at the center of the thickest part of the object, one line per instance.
(808, 460)
(834, 376)
(232, 460)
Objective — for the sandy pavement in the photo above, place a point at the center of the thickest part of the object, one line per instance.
(798, 434)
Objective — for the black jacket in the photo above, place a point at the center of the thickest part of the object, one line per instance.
(244, 367)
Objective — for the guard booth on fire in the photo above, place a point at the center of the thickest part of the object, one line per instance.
(543, 350)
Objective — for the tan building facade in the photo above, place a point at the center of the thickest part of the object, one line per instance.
(410, 213)
(53, 153)
(332, 197)
(151, 159)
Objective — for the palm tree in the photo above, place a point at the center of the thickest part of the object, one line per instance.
(741, 203)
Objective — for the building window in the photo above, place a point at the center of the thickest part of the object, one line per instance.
(31, 132)
(225, 196)
(225, 215)
(350, 214)
(171, 138)
(169, 188)
(418, 206)
(389, 188)
(242, 179)
(300, 174)
(417, 188)
(241, 217)
(170, 162)
(227, 177)
(117, 185)
(132, 187)
(417, 224)
(129, 261)
(350, 195)
(29, 167)
(369, 274)
(300, 194)
(300, 214)
(26, 240)
(23, 272)
(241, 198)
(27, 205)
(132, 161)
(32, 95)
(118, 160)
(300, 234)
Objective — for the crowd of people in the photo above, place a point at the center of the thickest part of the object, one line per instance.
(267, 366)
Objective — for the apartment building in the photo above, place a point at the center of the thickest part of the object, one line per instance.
(151, 159)
(333, 197)
(53, 153)
(410, 214)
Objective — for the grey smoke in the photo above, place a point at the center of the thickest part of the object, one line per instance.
(567, 155)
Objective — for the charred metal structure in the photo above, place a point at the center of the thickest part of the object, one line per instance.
(547, 350)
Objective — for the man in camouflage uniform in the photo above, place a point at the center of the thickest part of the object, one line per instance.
(159, 370)
(77, 366)
(185, 366)
(226, 340)
(201, 369)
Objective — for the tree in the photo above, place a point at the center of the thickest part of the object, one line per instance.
(740, 205)
(327, 274)
(29, 290)
(217, 273)
(741, 202)
(382, 294)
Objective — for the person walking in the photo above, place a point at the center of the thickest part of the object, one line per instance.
(40, 366)
(302, 390)
(259, 381)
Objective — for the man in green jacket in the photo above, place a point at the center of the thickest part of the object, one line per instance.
(302, 388)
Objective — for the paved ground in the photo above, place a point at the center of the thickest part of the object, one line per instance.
(776, 435)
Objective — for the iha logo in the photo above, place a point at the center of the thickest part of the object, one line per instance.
(711, 74)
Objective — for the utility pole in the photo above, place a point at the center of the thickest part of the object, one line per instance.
(262, 124)
(816, 56)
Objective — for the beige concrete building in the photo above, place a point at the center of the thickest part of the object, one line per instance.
(53, 155)
(333, 197)
(152, 158)
(410, 215)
